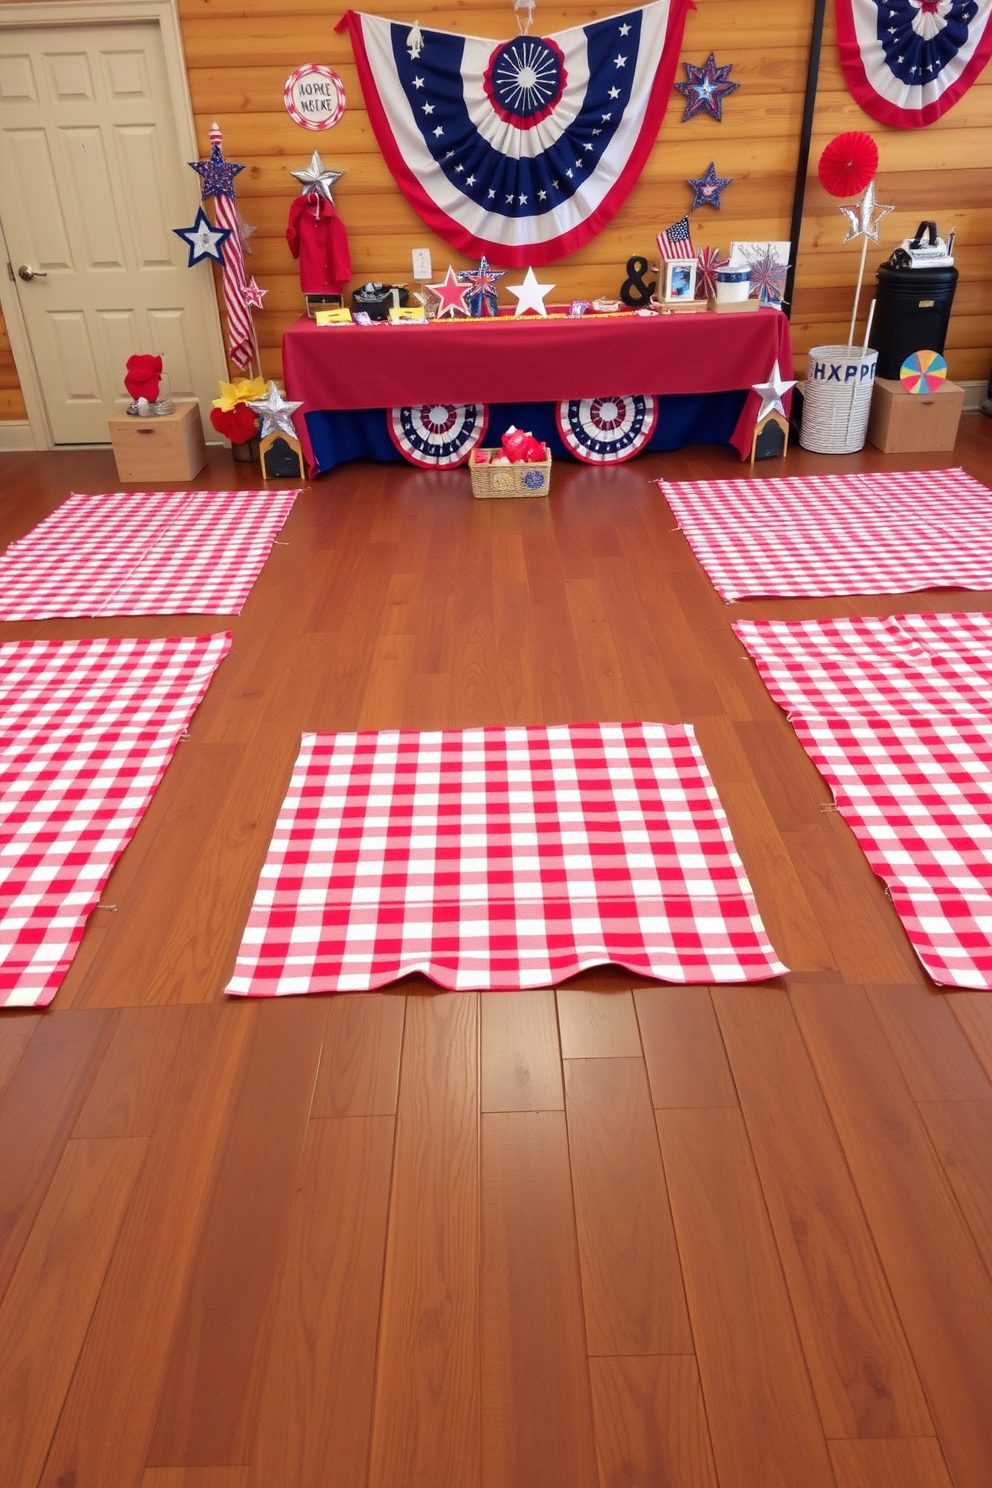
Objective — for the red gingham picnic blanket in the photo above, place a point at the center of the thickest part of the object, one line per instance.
(143, 553)
(500, 858)
(896, 714)
(838, 534)
(86, 731)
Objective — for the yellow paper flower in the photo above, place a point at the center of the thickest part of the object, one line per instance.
(242, 391)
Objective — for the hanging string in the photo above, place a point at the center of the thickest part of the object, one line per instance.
(528, 7)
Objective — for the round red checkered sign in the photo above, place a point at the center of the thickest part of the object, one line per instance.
(314, 96)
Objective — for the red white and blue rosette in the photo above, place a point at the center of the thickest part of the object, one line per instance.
(605, 431)
(519, 150)
(437, 436)
(906, 62)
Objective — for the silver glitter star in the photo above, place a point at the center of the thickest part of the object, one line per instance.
(316, 178)
(276, 413)
(864, 216)
(771, 394)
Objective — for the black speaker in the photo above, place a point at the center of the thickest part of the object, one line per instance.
(912, 309)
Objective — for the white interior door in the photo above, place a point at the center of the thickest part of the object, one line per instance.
(92, 181)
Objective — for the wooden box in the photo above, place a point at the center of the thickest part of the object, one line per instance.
(902, 422)
(168, 448)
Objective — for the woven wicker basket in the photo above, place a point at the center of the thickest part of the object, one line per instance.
(510, 480)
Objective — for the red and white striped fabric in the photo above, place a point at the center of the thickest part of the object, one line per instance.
(500, 858)
(143, 553)
(880, 533)
(883, 667)
(86, 731)
(917, 794)
(896, 713)
(241, 346)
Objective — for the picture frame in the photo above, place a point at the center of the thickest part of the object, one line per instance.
(680, 279)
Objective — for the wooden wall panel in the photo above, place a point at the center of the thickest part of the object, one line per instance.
(239, 53)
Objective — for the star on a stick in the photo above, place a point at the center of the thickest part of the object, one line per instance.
(275, 411)
(481, 287)
(203, 239)
(316, 178)
(864, 216)
(530, 295)
(451, 295)
(253, 295)
(706, 89)
(706, 189)
(216, 174)
(771, 394)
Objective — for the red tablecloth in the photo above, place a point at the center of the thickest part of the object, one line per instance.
(534, 361)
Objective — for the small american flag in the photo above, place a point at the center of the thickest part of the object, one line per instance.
(675, 241)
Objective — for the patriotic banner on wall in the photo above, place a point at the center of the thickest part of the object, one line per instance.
(521, 150)
(907, 62)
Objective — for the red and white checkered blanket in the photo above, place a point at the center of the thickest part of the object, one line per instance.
(143, 553)
(500, 858)
(86, 731)
(896, 714)
(883, 533)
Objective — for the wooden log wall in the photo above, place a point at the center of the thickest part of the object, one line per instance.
(239, 53)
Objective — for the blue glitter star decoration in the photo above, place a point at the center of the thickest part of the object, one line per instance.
(706, 189)
(203, 239)
(480, 294)
(216, 174)
(706, 88)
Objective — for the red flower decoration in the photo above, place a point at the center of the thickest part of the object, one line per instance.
(143, 376)
(848, 163)
(238, 424)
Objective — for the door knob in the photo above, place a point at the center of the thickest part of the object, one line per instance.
(26, 272)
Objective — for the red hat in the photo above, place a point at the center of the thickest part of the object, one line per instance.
(144, 374)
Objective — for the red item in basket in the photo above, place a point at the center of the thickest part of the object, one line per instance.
(521, 447)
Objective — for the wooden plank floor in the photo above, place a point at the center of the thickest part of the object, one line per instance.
(610, 1235)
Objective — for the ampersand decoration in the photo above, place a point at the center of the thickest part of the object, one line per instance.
(633, 291)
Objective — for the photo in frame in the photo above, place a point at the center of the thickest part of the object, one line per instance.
(680, 279)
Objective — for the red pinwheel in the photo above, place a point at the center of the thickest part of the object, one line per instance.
(848, 163)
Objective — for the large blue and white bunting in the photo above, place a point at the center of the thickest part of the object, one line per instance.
(907, 62)
(521, 150)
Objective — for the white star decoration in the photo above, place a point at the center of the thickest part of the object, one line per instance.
(864, 216)
(771, 394)
(276, 412)
(316, 178)
(530, 295)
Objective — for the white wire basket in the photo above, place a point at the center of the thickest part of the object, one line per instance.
(837, 399)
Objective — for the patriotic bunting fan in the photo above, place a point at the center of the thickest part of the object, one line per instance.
(521, 150)
(907, 62)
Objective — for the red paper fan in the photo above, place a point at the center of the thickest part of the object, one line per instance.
(848, 163)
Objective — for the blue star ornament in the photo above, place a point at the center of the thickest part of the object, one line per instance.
(203, 239)
(480, 293)
(216, 174)
(706, 189)
(706, 88)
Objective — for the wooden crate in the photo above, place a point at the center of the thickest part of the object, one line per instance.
(169, 448)
(903, 423)
(510, 480)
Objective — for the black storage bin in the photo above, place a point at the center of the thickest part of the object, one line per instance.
(912, 309)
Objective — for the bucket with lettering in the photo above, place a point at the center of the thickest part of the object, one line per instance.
(837, 398)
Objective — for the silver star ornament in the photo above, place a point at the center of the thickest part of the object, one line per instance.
(316, 178)
(771, 394)
(864, 217)
(276, 413)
